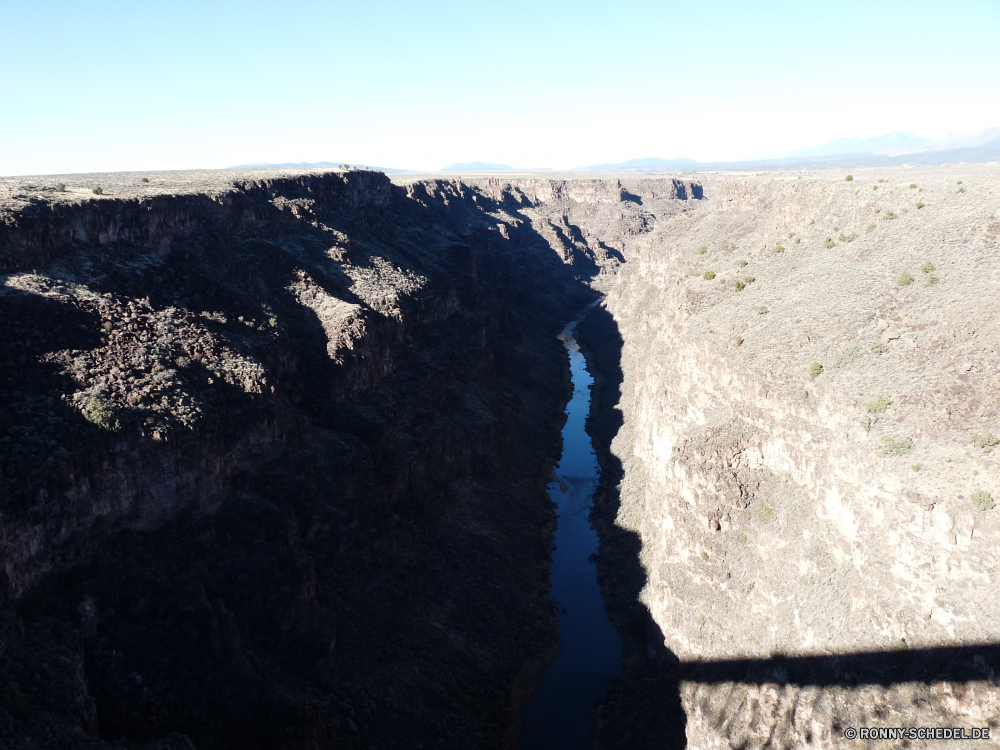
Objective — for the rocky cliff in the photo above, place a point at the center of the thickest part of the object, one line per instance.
(273, 456)
(809, 410)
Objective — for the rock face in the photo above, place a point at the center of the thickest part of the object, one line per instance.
(809, 406)
(273, 462)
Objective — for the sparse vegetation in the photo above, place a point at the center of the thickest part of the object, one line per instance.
(741, 263)
(145, 179)
(893, 446)
(982, 500)
(915, 467)
(961, 190)
(920, 204)
(849, 355)
(104, 415)
(889, 216)
(704, 556)
(874, 187)
(98, 190)
(959, 182)
(986, 441)
(878, 405)
(60, 187)
(904, 279)
(931, 280)
(878, 348)
(913, 185)
(812, 221)
(709, 275)
(762, 310)
(866, 423)
(815, 369)
(738, 341)
(849, 178)
(848, 237)
(926, 267)
(829, 243)
(727, 249)
(749, 279)
(702, 250)
(779, 249)
(870, 228)
(738, 285)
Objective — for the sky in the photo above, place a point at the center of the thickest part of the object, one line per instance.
(150, 85)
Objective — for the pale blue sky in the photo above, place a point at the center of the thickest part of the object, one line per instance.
(102, 86)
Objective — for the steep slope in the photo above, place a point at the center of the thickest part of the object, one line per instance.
(808, 407)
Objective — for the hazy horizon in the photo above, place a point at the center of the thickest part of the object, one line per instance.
(125, 87)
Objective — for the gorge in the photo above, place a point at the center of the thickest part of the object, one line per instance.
(275, 448)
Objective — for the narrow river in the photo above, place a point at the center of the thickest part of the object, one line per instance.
(560, 715)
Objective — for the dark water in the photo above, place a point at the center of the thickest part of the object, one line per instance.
(560, 715)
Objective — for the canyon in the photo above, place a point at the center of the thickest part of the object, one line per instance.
(275, 447)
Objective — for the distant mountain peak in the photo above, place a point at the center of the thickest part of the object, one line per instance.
(644, 164)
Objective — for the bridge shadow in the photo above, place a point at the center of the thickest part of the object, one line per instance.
(642, 706)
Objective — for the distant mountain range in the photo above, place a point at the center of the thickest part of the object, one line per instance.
(317, 165)
(884, 150)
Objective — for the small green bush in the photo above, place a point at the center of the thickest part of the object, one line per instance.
(829, 243)
(749, 279)
(905, 279)
(870, 228)
(913, 185)
(738, 285)
(738, 341)
(920, 204)
(931, 280)
(889, 216)
(926, 267)
(762, 310)
(779, 249)
(741, 264)
(878, 348)
(848, 237)
(98, 190)
(709, 275)
(727, 249)
(702, 250)
(849, 178)
(815, 369)
(866, 423)
(878, 405)
(874, 187)
(704, 556)
(812, 221)
(982, 500)
(104, 415)
(892, 446)
(145, 179)
(987, 441)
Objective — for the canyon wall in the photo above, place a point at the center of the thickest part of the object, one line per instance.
(273, 457)
(809, 408)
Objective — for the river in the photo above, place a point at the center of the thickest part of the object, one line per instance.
(560, 715)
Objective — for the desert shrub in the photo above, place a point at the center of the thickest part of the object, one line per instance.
(893, 446)
(961, 190)
(849, 355)
(920, 204)
(878, 348)
(889, 216)
(738, 341)
(98, 190)
(982, 500)
(749, 279)
(913, 185)
(874, 187)
(709, 275)
(866, 423)
(779, 249)
(798, 240)
(931, 280)
(985, 440)
(905, 279)
(702, 250)
(741, 263)
(814, 370)
(704, 556)
(727, 249)
(877, 405)
(100, 413)
(915, 467)
(60, 187)
(812, 221)
(762, 310)
(848, 237)
(926, 267)
(870, 227)
(881, 180)
(738, 285)
(829, 243)
(849, 178)
(145, 179)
